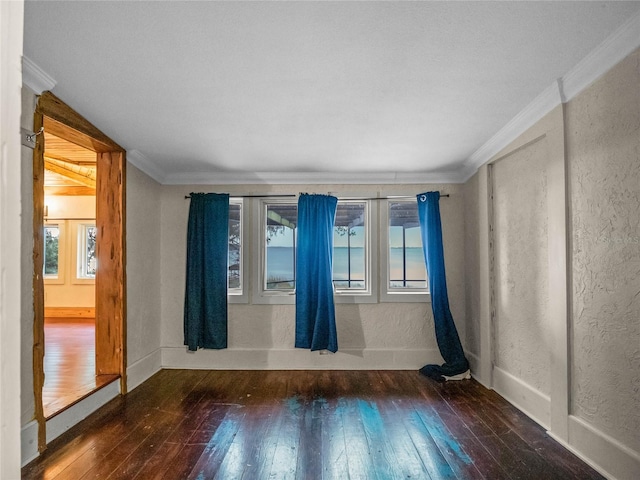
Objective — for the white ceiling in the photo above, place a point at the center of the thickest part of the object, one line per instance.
(370, 91)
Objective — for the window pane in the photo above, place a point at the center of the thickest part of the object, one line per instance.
(51, 245)
(280, 247)
(349, 246)
(406, 259)
(235, 247)
(90, 261)
(87, 260)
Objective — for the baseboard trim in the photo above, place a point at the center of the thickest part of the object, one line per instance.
(70, 312)
(62, 422)
(298, 359)
(523, 396)
(28, 442)
(603, 453)
(474, 365)
(143, 369)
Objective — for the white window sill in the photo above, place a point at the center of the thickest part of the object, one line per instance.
(405, 297)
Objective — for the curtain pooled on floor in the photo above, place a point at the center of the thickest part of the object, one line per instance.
(205, 303)
(446, 332)
(315, 311)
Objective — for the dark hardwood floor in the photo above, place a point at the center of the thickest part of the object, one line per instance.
(194, 424)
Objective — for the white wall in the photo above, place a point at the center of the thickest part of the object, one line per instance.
(585, 386)
(603, 148)
(143, 276)
(11, 23)
(378, 335)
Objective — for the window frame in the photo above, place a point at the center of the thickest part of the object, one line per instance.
(260, 295)
(240, 295)
(60, 279)
(396, 294)
(76, 226)
(367, 294)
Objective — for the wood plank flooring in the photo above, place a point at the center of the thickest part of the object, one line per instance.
(194, 424)
(69, 363)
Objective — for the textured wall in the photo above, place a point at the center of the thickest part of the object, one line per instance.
(394, 326)
(472, 265)
(603, 147)
(143, 265)
(521, 325)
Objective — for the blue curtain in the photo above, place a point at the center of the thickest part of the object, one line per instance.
(205, 303)
(315, 312)
(446, 333)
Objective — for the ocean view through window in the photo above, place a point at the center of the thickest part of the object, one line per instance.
(406, 271)
(349, 253)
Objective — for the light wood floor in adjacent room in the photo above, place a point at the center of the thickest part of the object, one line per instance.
(69, 363)
(194, 424)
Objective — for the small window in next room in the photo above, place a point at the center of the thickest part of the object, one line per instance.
(54, 249)
(406, 276)
(51, 249)
(87, 263)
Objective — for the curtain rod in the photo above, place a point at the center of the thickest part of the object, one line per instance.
(253, 196)
(292, 195)
(399, 197)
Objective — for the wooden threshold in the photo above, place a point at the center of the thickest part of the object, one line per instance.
(52, 409)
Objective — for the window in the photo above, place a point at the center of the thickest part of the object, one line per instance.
(54, 253)
(51, 251)
(236, 274)
(351, 254)
(87, 261)
(405, 266)
(280, 247)
(350, 248)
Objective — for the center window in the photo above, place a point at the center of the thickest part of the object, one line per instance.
(350, 250)
(350, 247)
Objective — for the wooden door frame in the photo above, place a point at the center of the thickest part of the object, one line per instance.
(59, 119)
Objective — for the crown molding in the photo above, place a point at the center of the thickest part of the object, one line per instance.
(309, 178)
(138, 160)
(532, 113)
(599, 61)
(35, 78)
(603, 58)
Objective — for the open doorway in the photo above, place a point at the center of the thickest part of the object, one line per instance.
(79, 255)
(70, 265)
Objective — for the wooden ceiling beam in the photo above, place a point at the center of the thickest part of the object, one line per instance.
(86, 177)
(62, 158)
